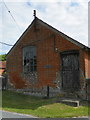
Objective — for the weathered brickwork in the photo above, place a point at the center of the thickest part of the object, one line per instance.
(48, 45)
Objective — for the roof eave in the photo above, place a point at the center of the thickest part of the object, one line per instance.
(28, 28)
(62, 34)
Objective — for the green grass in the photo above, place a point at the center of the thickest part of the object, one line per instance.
(45, 108)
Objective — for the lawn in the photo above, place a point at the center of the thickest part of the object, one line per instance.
(40, 107)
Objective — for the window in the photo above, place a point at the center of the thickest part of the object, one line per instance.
(29, 59)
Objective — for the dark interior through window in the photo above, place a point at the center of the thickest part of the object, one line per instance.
(29, 59)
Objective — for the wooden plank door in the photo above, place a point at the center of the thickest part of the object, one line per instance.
(70, 71)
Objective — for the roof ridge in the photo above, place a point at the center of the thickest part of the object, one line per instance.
(54, 29)
(64, 34)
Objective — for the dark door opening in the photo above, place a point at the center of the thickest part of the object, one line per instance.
(70, 71)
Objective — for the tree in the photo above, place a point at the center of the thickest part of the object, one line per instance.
(3, 57)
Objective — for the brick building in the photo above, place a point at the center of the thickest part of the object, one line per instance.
(44, 56)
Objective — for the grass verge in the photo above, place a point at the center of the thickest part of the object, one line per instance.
(36, 106)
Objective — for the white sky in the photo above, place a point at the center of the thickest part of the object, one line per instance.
(68, 16)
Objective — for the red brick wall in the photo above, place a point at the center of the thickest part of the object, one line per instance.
(46, 54)
(87, 64)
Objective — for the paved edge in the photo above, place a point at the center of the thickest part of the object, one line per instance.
(19, 114)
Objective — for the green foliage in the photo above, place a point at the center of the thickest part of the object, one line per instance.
(37, 106)
(3, 57)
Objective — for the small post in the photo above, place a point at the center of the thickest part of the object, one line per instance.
(34, 14)
(48, 91)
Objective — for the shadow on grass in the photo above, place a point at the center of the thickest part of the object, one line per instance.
(16, 100)
(20, 101)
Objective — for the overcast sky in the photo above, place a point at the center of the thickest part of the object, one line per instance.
(68, 16)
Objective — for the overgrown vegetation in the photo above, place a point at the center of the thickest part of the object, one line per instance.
(3, 57)
(43, 108)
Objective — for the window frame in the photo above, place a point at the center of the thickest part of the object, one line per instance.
(27, 50)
